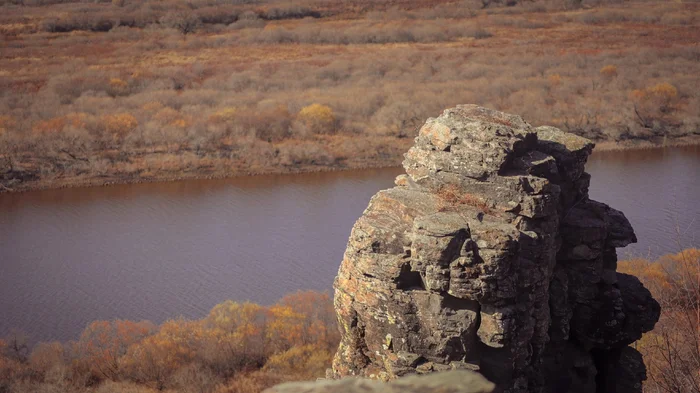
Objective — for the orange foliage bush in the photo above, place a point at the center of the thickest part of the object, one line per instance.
(58, 124)
(46, 357)
(608, 71)
(234, 336)
(157, 357)
(655, 104)
(554, 80)
(55, 124)
(119, 125)
(103, 343)
(317, 118)
(662, 94)
(319, 323)
(291, 340)
(225, 115)
(303, 362)
(117, 83)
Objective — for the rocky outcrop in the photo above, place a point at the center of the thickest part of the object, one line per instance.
(447, 382)
(488, 255)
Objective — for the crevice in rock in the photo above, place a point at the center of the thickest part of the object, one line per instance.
(454, 303)
(409, 280)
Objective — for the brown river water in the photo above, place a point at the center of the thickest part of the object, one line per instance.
(163, 250)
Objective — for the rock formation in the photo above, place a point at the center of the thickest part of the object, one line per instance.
(488, 255)
(456, 381)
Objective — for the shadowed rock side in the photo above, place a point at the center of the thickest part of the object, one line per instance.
(488, 255)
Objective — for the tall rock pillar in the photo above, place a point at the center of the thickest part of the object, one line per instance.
(488, 255)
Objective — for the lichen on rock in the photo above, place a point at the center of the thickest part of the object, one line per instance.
(489, 256)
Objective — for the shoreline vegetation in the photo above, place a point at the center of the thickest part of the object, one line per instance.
(125, 91)
(47, 184)
(245, 347)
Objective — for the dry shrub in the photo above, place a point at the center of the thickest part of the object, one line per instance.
(661, 95)
(268, 124)
(171, 117)
(103, 343)
(46, 357)
(254, 382)
(451, 196)
(156, 358)
(235, 337)
(318, 118)
(655, 104)
(554, 80)
(480, 34)
(123, 387)
(297, 153)
(58, 124)
(117, 87)
(50, 126)
(195, 378)
(153, 106)
(303, 363)
(318, 320)
(185, 21)
(608, 72)
(224, 115)
(119, 125)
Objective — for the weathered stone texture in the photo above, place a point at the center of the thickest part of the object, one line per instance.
(447, 382)
(488, 255)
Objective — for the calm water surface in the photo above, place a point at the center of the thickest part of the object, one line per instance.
(157, 251)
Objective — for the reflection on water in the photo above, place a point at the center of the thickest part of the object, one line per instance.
(157, 251)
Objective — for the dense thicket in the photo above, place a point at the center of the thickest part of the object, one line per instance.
(238, 347)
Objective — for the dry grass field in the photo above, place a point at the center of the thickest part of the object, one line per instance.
(126, 91)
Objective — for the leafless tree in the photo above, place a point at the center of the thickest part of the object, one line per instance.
(185, 21)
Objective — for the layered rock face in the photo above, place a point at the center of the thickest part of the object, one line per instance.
(488, 255)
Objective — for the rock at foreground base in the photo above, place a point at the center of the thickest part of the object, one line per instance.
(446, 382)
(489, 256)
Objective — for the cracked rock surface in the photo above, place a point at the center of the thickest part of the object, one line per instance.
(489, 256)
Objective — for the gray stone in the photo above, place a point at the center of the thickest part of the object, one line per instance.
(458, 381)
(488, 255)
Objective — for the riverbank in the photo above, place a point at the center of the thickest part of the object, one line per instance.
(268, 91)
(223, 170)
(644, 145)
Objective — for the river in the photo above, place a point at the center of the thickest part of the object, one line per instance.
(163, 250)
